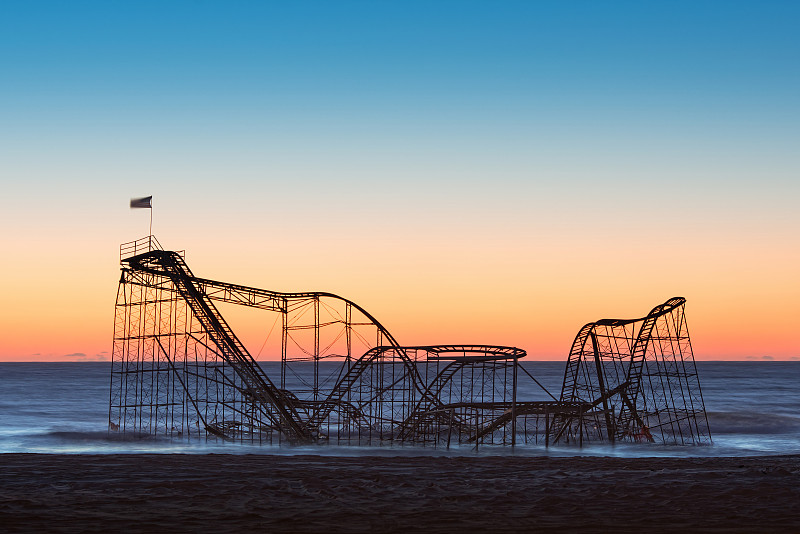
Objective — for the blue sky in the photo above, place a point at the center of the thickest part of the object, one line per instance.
(565, 63)
(588, 92)
(419, 129)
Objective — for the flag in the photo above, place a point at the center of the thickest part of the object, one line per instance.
(144, 202)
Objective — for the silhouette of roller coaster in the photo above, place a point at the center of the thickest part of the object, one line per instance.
(179, 370)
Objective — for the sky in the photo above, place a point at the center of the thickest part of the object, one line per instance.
(467, 171)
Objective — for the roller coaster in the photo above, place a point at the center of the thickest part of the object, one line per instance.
(179, 370)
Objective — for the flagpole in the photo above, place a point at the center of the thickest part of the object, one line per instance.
(145, 202)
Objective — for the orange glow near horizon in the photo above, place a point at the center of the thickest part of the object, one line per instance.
(546, 334)
(439, 289)
(494, 173)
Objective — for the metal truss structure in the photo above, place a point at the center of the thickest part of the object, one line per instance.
(179, 369)
(638, 379)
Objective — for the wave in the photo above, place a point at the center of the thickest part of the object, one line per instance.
(77, 435)
(752, 423)
(98, 435)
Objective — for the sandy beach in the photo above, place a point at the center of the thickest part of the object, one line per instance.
(234, 493)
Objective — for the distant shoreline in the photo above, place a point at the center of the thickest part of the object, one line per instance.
(308, 493)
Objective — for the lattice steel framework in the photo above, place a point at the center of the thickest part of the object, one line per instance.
(637, 379)
(179, 369)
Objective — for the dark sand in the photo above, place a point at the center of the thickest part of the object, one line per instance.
(231, 493)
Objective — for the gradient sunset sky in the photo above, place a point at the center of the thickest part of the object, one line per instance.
(469, 172)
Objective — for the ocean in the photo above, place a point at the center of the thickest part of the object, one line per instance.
(753, 409)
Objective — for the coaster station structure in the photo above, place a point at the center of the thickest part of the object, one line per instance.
(179, 369)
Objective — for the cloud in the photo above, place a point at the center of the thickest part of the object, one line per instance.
(96, 358)
(768, 358)
(83, 357)
(795, 358)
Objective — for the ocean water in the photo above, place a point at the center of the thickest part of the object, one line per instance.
(753, 409)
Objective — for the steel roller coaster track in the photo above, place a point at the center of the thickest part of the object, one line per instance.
(179, 369)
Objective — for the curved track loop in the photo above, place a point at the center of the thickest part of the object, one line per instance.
(641, 374)
(431, 409)
(427, 409)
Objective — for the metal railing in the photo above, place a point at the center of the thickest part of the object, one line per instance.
(140, 246)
